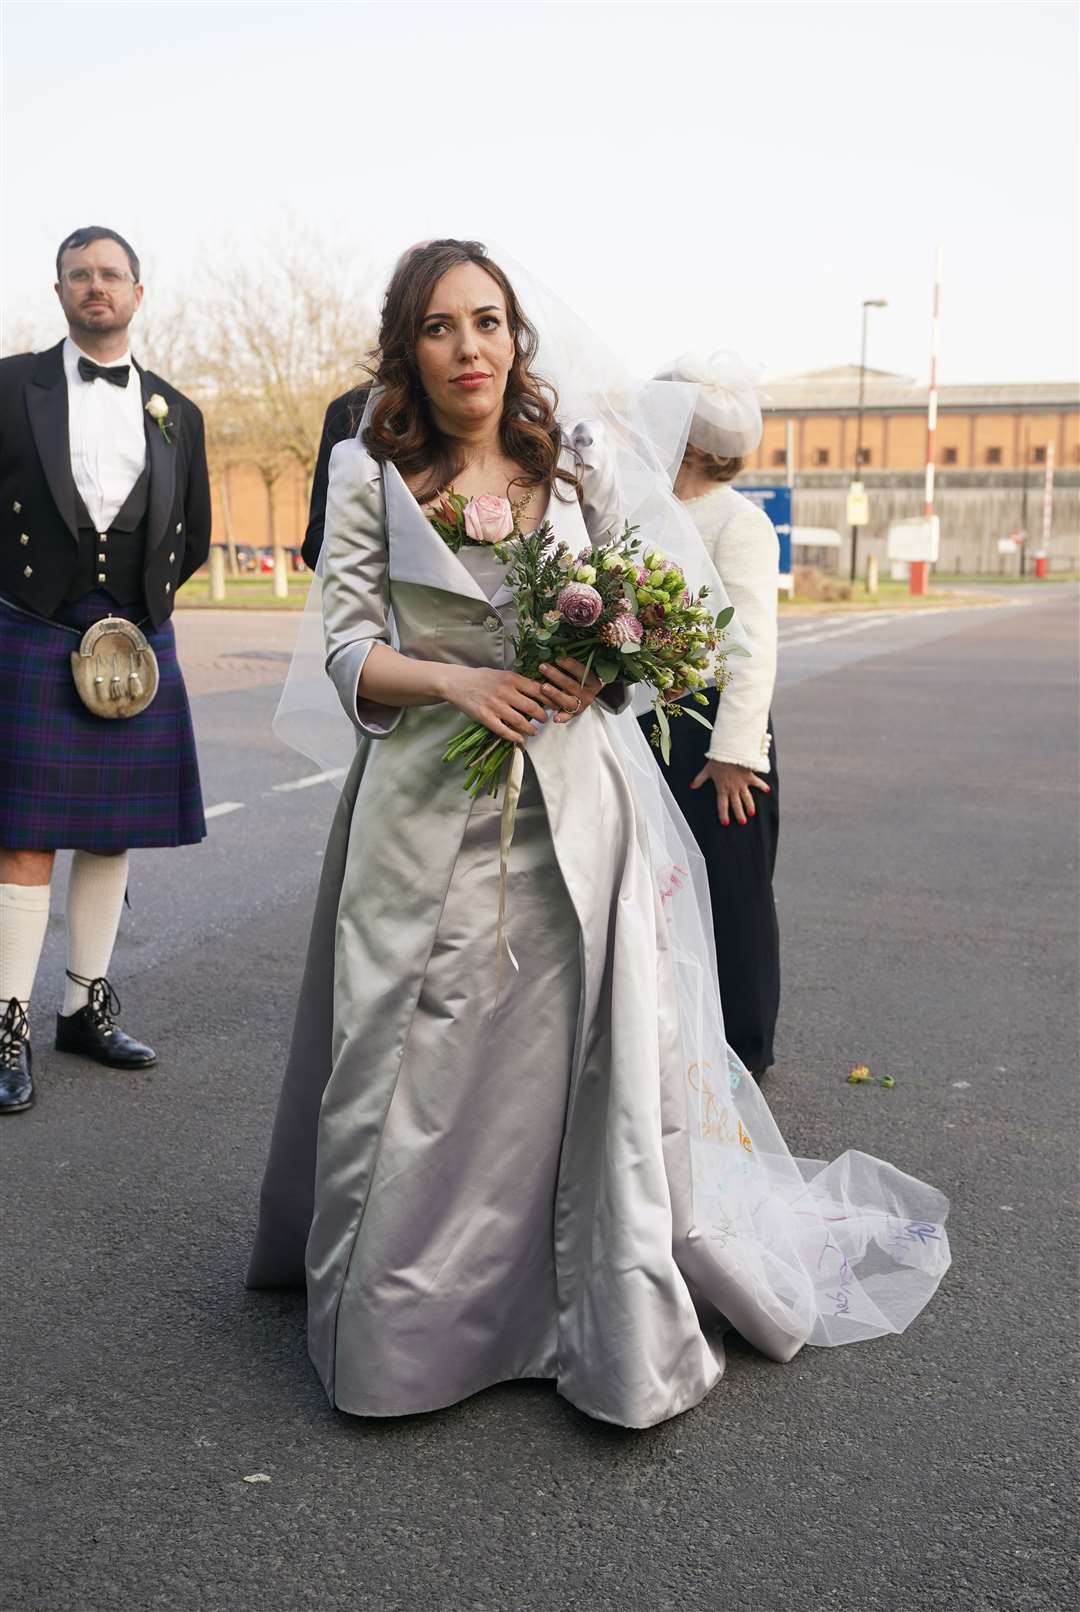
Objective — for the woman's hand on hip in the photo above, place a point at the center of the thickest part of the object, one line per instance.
(507, 703)
(568, 687)
(733, 789)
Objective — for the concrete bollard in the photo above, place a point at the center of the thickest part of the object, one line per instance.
(217, 573)
(872, 574)
(281, 575)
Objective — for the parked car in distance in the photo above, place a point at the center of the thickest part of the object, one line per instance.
(252, 561)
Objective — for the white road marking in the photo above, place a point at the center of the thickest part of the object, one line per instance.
(225, 806)
(797, 629)
(844, 631)
(312, 778)
(828, 627)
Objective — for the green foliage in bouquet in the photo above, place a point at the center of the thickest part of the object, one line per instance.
(448, 518)
(627, 616)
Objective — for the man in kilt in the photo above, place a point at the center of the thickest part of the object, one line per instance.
(104, 512)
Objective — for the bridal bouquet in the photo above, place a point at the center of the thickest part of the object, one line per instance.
(626, 615)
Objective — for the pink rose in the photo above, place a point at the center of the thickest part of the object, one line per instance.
(579, 604)
(623, 630)
(488, 519)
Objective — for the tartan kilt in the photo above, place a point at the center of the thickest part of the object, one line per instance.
(70, 780)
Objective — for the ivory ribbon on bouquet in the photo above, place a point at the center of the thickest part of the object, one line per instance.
(506, 837)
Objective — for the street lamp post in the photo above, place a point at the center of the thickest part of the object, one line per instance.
(869, 302)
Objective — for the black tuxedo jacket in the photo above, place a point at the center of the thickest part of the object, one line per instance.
(39, 549)
(342, 420)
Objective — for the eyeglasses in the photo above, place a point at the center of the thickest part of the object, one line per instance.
(84, 277)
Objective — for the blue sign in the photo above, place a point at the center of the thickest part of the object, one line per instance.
(776, 502)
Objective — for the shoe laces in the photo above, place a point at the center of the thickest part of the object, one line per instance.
(104, 1004)
(14, 1034)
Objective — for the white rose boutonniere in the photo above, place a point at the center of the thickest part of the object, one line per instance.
(158, 410)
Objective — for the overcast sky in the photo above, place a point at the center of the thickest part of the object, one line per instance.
(685, 175)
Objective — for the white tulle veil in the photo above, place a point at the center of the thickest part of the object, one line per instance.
(834, 1253)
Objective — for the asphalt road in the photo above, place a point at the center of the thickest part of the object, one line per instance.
(928, 895)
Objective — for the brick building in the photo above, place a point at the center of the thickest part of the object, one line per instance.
(992, 446)
(979, 427)
(242, 502)
(991, 453)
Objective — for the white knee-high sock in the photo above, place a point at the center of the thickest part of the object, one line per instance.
(95, 900)
(24, 917)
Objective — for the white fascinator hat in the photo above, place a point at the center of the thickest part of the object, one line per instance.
(727, 414)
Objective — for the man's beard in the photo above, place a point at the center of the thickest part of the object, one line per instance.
(97, 321)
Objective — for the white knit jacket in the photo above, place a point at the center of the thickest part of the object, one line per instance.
(742, 542)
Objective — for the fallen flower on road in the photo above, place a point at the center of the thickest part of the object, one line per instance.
(860, 1074)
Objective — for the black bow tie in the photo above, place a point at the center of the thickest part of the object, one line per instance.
(117, 376)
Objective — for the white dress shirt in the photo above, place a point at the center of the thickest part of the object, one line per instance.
(745, 550)
(107, 435)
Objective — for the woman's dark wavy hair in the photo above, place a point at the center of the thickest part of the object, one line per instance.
(401, 427)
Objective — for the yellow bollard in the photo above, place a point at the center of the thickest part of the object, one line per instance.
(872, 574)
(281, 575)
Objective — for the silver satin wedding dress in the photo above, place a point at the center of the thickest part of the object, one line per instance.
(558, 1171)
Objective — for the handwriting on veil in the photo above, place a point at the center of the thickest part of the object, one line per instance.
(670, 880)
(916, 1231)
(719, 1218)
(718, 1120)
(834, 1255)
(923, 1233)
(723, 1232)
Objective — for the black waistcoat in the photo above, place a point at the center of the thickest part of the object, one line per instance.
(113, 561)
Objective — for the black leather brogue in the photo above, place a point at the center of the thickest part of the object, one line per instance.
(92, 1031)
(16, 1080)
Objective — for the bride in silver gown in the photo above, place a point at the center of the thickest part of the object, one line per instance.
(554, 1170)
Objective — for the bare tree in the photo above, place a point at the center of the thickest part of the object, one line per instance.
(229, 445)
(165, 337)
(21, 335)
(172, 338)
(283, 333)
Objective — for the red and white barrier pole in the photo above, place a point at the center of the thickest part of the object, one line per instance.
(920, 569)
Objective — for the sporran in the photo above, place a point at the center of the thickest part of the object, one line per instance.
(114, 668)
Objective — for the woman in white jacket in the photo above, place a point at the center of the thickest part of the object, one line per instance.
(726, 782)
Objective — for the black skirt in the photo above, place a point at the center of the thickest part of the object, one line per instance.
(740, 862)
(71, 780)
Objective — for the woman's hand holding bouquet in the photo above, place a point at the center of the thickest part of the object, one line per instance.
(614, 614)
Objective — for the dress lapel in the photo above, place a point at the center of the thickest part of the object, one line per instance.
(503, 594)
(47, 411)
(417, 552)
(161, 457)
